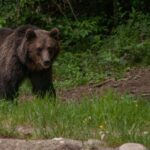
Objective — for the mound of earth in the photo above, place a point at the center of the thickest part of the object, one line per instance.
(135, 81)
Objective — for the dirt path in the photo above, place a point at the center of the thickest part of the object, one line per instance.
(136, 82)
(51, 144)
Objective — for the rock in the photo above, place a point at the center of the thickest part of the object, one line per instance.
(132, 146)
(25, 131)
(68, 144)
(92, 144)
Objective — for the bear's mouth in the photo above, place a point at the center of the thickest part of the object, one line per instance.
(46, 63)
(37, 66)
(46, 66)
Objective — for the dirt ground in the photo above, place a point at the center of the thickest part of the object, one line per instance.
(135, 81)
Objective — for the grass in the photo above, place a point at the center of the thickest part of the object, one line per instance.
(113, 118)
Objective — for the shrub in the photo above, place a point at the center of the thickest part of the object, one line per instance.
(130, 41)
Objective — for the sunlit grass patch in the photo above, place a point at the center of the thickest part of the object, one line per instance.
(112, 118)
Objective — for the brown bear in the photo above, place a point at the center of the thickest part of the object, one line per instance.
(4, 32)
(27, 52)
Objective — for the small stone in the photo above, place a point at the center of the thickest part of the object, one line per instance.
(25, 131)
(62, 142)
(92, 144)
(58, 139)
(132, 146)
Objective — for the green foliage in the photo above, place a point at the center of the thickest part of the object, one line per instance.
(128, 45)
(140, 4)
(130, 41)
(25, 12)
(81, 35)
(72, 69)
(2, 22)
(79, 68)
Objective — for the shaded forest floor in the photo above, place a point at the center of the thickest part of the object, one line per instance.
(135, 81)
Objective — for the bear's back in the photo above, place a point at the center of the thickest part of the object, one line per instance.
(4, 33)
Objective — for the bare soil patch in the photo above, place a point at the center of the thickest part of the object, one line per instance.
(135, 81)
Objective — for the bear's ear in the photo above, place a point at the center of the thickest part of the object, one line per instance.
(30, 34)
(55, 33)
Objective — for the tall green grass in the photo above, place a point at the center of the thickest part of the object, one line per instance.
(113, 118)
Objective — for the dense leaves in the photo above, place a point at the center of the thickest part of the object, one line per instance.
(42, 12)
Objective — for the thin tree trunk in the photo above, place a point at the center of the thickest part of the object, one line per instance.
(115, 12)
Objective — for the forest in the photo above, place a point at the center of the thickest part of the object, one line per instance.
(101, 75)
(88, 25)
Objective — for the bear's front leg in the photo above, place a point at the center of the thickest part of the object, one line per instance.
(9, 84)
(8, 90)
(42, 83)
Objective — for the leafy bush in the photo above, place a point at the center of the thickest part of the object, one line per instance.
(2, 22)
(72, 69)
(25, 12)
(130, 41)
(82, 34)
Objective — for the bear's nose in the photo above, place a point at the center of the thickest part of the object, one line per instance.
(46, 62)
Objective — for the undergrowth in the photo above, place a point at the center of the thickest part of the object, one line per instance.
(127, 46)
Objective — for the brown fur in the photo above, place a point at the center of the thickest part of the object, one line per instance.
(4, 32)
(28, 52)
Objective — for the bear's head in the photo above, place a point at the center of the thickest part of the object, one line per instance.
(39, 48)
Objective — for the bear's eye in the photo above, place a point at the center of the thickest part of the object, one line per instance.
(39, 49)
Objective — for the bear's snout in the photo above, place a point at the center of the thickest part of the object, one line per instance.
(46, 58)
(46, 62)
